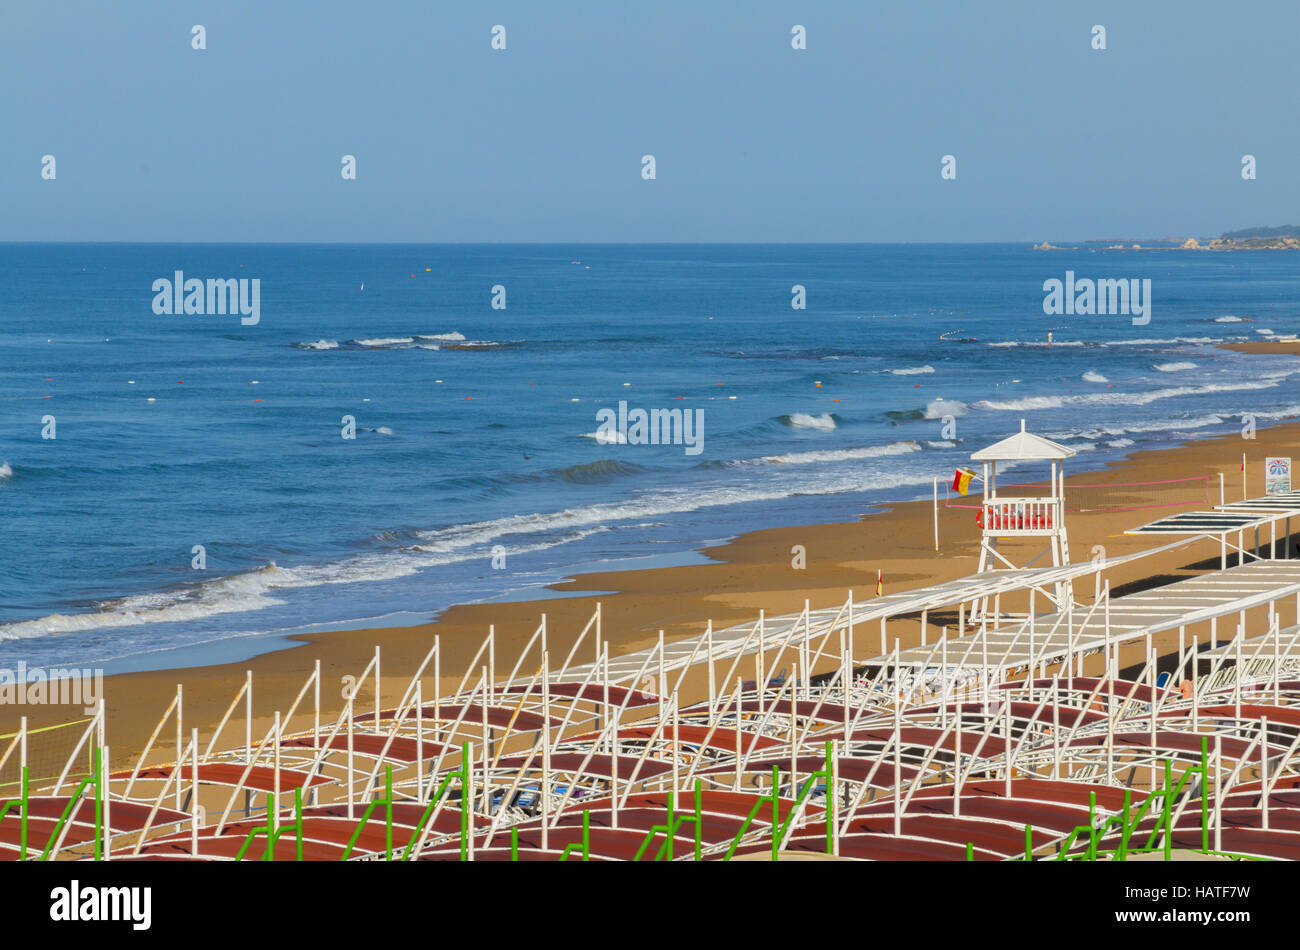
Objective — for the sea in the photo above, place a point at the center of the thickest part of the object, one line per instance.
(181, 488)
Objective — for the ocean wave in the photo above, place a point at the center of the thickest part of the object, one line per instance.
(606, 437)
(843, 455)
(1120, 443)
(1174, 367)
(601, 470)
(1230, 319)
(383, 341)
(453, 340)
(911, 371)
(1092, 376)
(803, 420)
(1136, 428)
(1128, 399)
(6, 471)
(1029, 402)
(252, 590)
(938, 408)
(1148, 341)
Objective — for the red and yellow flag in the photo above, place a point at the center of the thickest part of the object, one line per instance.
(961, 480)
(880, 581)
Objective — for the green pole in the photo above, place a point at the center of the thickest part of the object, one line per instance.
(1169, 811)
(1029, 843)
(1205, 791)
(22, 835)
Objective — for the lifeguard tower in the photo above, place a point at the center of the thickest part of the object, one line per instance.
(1040, 516)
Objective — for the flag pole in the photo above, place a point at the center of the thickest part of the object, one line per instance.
(936, 513)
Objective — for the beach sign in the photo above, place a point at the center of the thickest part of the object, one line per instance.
(1277, 476)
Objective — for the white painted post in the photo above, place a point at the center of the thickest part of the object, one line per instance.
(936, 514)
(194, 793)
(1263, 767)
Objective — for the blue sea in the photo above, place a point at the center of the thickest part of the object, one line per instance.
(476, 472)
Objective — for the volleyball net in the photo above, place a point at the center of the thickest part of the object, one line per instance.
(46, 750)
(1103, 496)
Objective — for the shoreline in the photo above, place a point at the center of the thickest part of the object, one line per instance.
(749, 573)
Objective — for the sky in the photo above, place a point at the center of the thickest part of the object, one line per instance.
(543, 141)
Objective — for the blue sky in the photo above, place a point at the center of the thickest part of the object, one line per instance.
(753, 141)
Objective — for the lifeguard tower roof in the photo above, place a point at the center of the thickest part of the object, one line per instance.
(1023, 445)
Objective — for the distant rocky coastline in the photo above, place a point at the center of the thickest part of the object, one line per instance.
(1282, 238)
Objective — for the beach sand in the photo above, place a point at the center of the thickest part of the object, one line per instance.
(751, 573)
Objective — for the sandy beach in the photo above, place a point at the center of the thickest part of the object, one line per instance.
(753, 572)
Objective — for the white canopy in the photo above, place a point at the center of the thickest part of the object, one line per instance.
(1023, 445)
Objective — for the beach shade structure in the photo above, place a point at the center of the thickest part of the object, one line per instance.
(1041, 516)
(1285, 504)
(1219, 525)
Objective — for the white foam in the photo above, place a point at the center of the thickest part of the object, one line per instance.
(1174, 367)
(385, 341)
(938, 408)
(1092, 376)
(1029, 402)
(1228, 319)
(606, 437)
(452, 337)
(5, 470)
(843, 455)
(911, 371)
(316, 345)
(804, 420)
(1120, 443)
